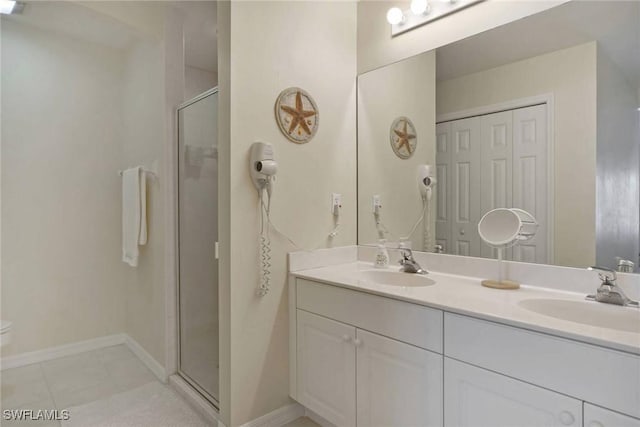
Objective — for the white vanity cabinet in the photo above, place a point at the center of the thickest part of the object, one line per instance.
(516, 366)
(475, 397)
(352, 369)
(359, 359)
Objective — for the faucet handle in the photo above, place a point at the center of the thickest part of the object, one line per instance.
(605, 274)
(406, 255)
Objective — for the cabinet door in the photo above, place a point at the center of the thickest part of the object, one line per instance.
(475, 397)
(327, 368)
(496, 175)
(465, 195)
(595, 416)
(398, 384)
(530, 177)
(443, 190)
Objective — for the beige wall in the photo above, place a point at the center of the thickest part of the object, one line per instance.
(62, 277)
(276, 45)
(143, 144)
(145, 17)
(377, 48)
(570, 75)
(197, 80)
(96, 110)
(406, 88)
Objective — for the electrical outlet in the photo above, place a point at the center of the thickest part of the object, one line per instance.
(377, 204)
(336, 203)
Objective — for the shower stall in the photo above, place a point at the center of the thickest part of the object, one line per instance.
(197, 237)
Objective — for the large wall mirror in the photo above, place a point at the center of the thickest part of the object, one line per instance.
(541, 114)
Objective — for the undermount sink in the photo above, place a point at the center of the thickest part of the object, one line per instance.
(608, 316)
(395, 278)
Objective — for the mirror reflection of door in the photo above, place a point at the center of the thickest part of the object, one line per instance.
(496, 160)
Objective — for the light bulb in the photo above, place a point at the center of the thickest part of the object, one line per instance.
(395, 16)
(419, 7)
(6, 6)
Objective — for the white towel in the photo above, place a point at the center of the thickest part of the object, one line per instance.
(134, 214)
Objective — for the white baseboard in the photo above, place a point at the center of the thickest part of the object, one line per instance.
(279, 417)
(51, 353)
(317, 418)
(146, 358)
(56, 352)
(199, 403)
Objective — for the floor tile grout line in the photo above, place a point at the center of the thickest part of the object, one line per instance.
(46, 383)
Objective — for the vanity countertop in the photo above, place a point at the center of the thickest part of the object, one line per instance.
(465, 295)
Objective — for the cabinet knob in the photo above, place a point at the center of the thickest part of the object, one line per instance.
(462, 231)
(357, 342)
(596, 424)
(567, 418)
(346, 338)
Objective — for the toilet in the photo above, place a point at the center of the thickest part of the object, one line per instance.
(5, 333)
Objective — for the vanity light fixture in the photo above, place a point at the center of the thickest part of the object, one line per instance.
(8, 7)
(420, 7)
(395, 16)
(423, 11)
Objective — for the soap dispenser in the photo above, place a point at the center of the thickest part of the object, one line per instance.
(382, 256)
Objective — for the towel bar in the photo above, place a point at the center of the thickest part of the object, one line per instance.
(148, 172)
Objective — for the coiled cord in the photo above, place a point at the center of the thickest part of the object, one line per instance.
(265, 268)
(265, 247)
(426, 234)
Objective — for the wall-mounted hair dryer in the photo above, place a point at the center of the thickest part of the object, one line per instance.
(426, 180)
(262, 166)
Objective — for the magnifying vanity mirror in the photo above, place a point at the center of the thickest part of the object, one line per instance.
(541, 114)
(502, 229)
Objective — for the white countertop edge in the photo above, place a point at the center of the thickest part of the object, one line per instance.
(562, 328)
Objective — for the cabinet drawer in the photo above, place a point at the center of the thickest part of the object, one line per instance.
(410, 323)
(595, 416)
(605, 377)
(476, 397)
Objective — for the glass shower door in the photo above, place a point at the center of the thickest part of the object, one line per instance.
(197, 239)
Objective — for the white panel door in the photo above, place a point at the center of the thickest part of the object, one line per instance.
(496, 168)
(595, 416)
(443, 187)
(474, 397)
(530, 177)
(327, 368)
(465, 156)
(397, 384)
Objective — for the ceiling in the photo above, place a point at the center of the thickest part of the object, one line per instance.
(79, 21)
(614, 24)
(75, 21)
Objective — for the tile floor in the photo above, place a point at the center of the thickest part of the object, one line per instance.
(302, 422)
(71, 381)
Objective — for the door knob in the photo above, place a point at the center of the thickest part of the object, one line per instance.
(567, 418)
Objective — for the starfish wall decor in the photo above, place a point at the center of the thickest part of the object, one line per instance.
(297, 115)
(403, 138)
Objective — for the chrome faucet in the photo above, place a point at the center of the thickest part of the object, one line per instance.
(409, 265)
(609, 292)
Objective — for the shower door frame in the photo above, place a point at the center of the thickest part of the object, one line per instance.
(173, 341)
